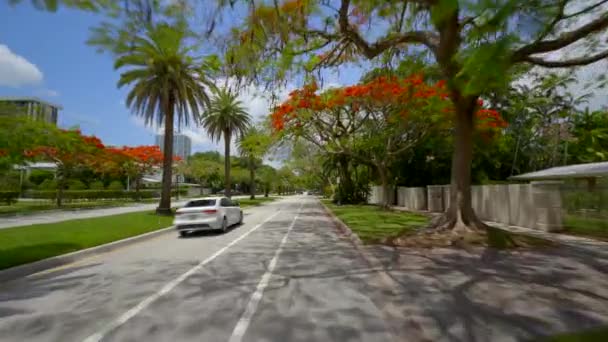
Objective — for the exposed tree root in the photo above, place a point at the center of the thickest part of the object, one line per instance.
(444, 231)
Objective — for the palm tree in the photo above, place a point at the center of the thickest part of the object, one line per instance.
(226, 118)
(165, 84)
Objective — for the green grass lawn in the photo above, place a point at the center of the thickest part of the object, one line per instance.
(22, 245)
(372, 224)
(259, 200)
(591, 227)
(33, 207)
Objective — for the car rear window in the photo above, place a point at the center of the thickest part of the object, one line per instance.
(200, 203)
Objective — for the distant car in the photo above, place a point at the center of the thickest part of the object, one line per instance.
(210, 213)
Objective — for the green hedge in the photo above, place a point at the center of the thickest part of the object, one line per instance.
(98, 194)
(9, 197)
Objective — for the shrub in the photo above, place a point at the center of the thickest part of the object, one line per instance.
(91, 194)
(76, 184)
(115, 185)
(9, 197)
(99, 194)
(10, 181)
(48, 184)
(182, 192)
(39, 176)
(96, 185)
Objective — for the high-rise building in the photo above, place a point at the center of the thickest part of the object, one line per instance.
(32, 107)
(182, 145)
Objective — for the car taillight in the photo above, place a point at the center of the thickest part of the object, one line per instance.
(210, 211)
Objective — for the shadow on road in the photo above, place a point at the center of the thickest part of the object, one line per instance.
(489, 295)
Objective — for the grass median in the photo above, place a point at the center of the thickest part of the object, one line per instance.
(586, 226)
(246, 202)
(372, 224)
(21, 245)
(35, 207)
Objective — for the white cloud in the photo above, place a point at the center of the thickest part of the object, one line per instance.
(16, 71)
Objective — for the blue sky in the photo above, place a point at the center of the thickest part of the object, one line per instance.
(44, 54)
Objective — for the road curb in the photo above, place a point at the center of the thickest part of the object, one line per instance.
(64, 259)
(375, 264)
(358, 244)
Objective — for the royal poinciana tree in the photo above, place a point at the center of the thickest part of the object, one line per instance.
(136, 162)
(374, 122)
(70, 151)
(475, 44)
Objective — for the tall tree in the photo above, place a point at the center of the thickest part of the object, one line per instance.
(205, 172)
(475, 44)
(166, 86)
(253, 146)
(135, 162)
(374, 122)
(225, 119)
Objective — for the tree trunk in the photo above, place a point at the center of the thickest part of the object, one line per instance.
(385, 204)
(164, 207)
(252, 180)
(460, 215)
(60, 186)
(345, 187)
(137, 186)
(227, 163)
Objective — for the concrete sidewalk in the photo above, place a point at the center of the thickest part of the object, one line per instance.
(583, 243)
(58, 216)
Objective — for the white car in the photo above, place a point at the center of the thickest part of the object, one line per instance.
(210, 213)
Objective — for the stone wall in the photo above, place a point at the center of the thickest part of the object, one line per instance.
(376, 195)
(536, 205)
(412, 198)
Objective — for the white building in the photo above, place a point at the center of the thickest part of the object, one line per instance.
(182, 145)
(33, 107)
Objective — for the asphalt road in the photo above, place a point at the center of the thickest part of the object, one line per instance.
(284, 275)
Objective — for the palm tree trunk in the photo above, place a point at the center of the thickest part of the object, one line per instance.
(252, 179)
(137, 186)
(227, 163)
(60, 185)
(164, 207)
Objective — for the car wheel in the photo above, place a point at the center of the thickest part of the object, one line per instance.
(224, 225)
(241, 218)
(183, 234)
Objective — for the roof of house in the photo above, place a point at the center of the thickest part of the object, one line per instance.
(589, 170)
(30, 99)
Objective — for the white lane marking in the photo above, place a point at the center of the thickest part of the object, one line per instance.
(245, 320)
(122, 319)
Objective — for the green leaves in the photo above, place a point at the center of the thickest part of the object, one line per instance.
(485, 67)
(53, 5)
(442, 11)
